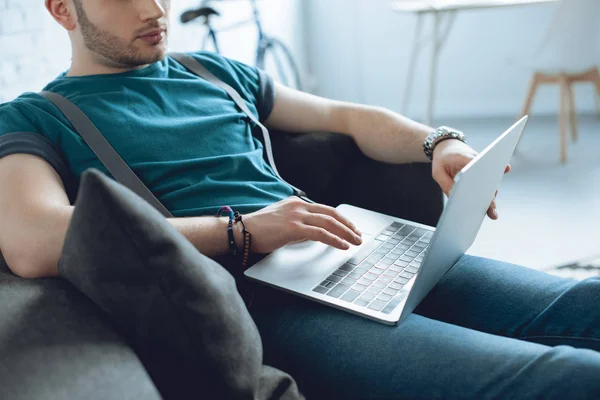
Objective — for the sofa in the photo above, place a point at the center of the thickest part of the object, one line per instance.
(56, 343)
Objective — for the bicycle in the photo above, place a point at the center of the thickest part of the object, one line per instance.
(267, 45)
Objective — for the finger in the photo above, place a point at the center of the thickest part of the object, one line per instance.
(332, 212)
(333, 226)
(322, 235)
(508, 168)
(492, 211)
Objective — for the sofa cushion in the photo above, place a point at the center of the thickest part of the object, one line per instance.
(56, 344)
(180, 310)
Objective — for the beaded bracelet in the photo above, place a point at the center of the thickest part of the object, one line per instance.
(228, 210)
(247, 240)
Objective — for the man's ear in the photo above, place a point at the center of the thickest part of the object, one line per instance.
(63, 11)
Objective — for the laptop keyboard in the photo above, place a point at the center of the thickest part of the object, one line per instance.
(374, 276)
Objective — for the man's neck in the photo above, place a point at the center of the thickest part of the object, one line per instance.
(80, 67)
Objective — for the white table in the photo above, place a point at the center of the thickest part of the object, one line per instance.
(444, 13)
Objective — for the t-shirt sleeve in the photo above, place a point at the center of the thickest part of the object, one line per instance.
(19, 135)
(254, 85)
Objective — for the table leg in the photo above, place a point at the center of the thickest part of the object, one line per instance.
(438, 41)
(413, 63)
(433, 66)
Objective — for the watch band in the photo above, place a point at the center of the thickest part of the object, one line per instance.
(439, 135)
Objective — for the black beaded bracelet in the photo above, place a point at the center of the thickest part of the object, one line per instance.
(230, 236)
(247, 240)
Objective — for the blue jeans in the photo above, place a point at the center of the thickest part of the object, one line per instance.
(487, 330)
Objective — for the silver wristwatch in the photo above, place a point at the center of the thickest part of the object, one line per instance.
(439, 135)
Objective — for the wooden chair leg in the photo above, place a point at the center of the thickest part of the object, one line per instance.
(572, 112)
(533, 85)
(562, 117)
(597, 84)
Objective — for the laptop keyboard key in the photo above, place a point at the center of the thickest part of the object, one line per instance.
(401, 280)
(384, 297)
(363, 253)
(376, 305)
(394, 302)
(359, 288)
(350, 295)
(340, 273)
(419, 232)
(361, 302)
(407, 229)
(367, 296)
(346, 267)
(373, 258)
(338, 290)
(405, 274)
(378, 285)
(412, 253)
(411, 269)
(389, 291)
(374, 291)
(382, 238)
(349, 281)
(395, 286)
(320, 289)
(397, 225)
(370, 276)
(334, 278)
(355, 275)
(328, 284)
(364, 282)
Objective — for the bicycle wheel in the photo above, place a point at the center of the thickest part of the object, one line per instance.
(287, 70)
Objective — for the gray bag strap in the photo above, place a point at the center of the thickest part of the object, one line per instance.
(104, 151)
(194, 66)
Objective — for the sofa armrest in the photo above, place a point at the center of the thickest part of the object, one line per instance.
(332, 170)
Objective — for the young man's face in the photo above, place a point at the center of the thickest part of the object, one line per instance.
(113, 29)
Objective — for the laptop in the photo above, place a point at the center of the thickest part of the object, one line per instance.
(399, 261)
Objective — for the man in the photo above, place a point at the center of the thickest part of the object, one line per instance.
(194, 150)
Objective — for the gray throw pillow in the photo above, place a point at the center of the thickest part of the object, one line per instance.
(179, 310)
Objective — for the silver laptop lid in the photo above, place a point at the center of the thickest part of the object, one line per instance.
(473, 191)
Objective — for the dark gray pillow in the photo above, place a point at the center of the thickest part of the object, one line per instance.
(180, 310)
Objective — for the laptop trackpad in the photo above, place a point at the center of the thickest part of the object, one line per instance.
(300, 266)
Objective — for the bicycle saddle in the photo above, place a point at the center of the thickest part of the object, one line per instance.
(191, 15)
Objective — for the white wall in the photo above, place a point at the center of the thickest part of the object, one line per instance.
(281, 18)
(34, 49)
(359, 50)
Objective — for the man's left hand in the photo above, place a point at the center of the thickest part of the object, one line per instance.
(449, 157)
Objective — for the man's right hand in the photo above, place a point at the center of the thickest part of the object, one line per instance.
(294, 220)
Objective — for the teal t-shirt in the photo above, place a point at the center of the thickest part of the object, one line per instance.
(184, 137)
